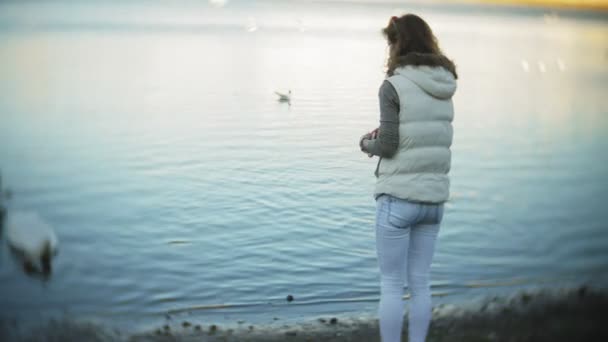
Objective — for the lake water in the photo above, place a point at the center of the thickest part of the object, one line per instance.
(149, 136)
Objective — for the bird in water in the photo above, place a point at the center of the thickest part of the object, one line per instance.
(33, 240)
(284, 97)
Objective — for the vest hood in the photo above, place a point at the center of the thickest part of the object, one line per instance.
(435, 74)
(436, 81)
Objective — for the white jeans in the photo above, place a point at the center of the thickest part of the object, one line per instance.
(405, 243)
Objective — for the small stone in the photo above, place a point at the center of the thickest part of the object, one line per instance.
(240, 322)
(582, 292)
(290, 298)
(251, 327)
(334, 320)
(213, 328)
(197, 327)
(322, 320)
(276, 318)
(186, 324)
(166, 327)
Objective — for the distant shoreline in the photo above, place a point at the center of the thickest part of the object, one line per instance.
(563, 4)
(542, 315)
(589, 5)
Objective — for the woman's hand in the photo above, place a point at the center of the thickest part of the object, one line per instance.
(375, 133)
(364, 137)
(365, 148)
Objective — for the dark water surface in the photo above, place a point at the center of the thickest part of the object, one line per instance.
(149, 137)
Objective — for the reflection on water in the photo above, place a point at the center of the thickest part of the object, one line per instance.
(155, 146)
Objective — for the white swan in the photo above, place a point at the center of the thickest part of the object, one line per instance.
(284, 97)
(33, 239)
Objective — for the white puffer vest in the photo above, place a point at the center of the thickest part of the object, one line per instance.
(419, 169)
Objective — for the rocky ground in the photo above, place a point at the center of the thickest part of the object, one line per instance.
(560, 315)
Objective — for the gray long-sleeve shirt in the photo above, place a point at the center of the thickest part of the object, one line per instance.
(387, 142)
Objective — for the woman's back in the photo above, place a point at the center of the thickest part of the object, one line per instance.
(418, 170)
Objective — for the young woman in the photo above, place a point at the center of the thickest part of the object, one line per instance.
(413, 143)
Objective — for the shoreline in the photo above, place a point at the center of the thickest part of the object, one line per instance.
(593, 5)
(574, 314)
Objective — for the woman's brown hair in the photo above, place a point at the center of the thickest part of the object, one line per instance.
(412, 42)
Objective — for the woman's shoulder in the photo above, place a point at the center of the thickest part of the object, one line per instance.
(387, 89)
